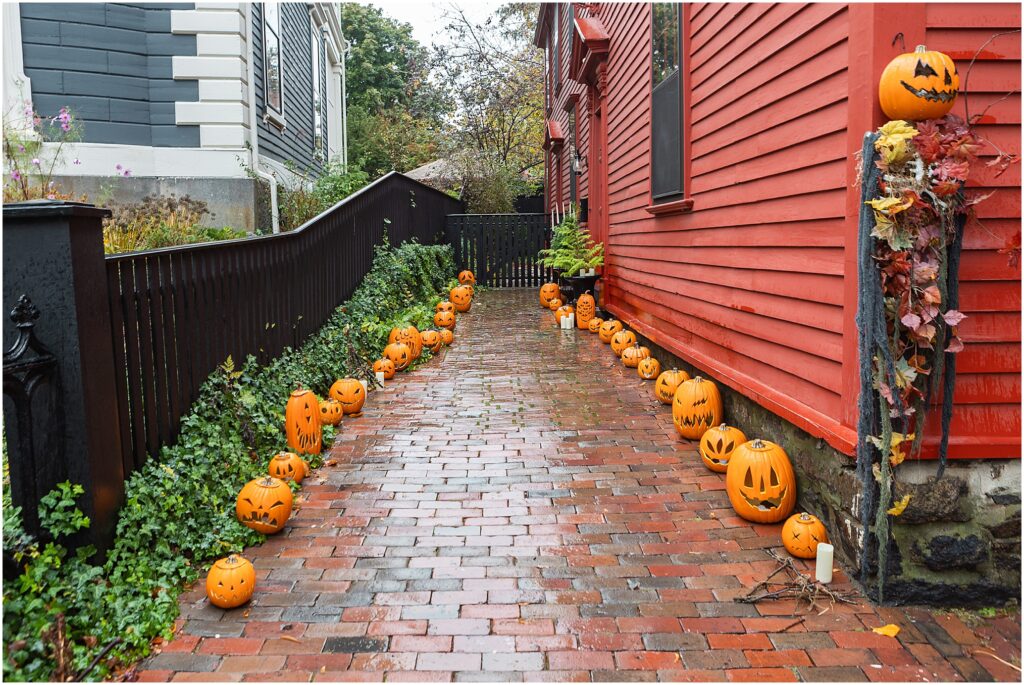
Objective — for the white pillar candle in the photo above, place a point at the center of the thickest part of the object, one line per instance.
(572, 321)
(365, 389)
(380, 378)
(823, 563)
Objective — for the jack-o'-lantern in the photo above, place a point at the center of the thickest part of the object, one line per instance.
(264, 504)
(444, 306)
(563, 312)
(445, 319)
(622, 340)
(696, 407)
(586, 309)
(918, 85)
(760, 482)
(447, 336)
(801, 535)
(548, 292)
(431, 340)
(554, 304)
(330, 413)
(667, 383)
(409, 335)
(461, 297)
(608, 329)
(648, 369)
(385, 366)
(594, 324)
(230, 582)
(717, 445)
(399, 355)
(632, 355)
(287, 466)
(467, 278)
(350, 393)
(302, 422)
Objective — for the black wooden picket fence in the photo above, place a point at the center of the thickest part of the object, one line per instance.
(501, 249)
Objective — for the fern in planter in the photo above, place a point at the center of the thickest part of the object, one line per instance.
(572, 250)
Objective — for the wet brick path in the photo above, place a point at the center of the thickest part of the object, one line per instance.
(523, 510)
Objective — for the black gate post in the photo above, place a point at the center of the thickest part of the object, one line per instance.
(60, 400)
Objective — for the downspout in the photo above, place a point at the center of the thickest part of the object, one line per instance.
(254, 128)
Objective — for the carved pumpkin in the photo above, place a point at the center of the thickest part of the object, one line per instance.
(696, 407)
(563, 312)
(586, 309)
(409, 335)
(554, 304)
(622, 340)
(548, 292)
(717, 445)
(330, 413)
(445, 306)
(631, 356)
(399, 355)
(608, 329)
(801, 535)
(667, 383)
(385, 366)
(594, 324)
(467, 278)
(431, 340)
(648, 369)
(264, 504)
(447, 336)
(287, 466)
(461, 297)
(230, 582)
(918, 85)
(760, 482)
(350, 393)
(302, 422)
(445, 319)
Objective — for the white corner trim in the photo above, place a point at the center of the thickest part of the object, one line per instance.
(208, 20)
(99, 159)
(17, 86)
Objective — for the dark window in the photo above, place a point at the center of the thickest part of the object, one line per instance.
(319, 98)
(666, 102)
(272, 55)
(573, 154)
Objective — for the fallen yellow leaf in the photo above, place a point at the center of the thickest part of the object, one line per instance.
(891, 630)
(899, 506)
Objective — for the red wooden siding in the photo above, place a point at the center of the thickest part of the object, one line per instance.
(559, 113)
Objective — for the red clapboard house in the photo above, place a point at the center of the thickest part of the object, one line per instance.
(713, 146)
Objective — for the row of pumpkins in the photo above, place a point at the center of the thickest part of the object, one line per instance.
(759, 478)
(265, 504)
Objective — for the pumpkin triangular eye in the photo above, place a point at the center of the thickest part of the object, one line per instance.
(718, 447)
(948, 80)
(749, 480)
(774, 478)
(729, 447)
(923, 69)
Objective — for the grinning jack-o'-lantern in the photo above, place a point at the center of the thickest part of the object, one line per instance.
(302, 422)
(409, 335)
(445, 319)
(718, 444)
(667, 383)
(264, 504)
(287, 466)
(445, 306)
(399, 355)
(467, 278)
(586, 308)
(594, 325)
(648, 369)
(330, 413)
(432, 341)
(622, 340)
(548, 292)
(447, 337)
(760, 482)
(696, 407)
(461, 297)
(563, 312)
(230, 582)
(350, 393)
(632, 355)
(918, 85)
(385, 366)
(608, 329)
(801, 535)
(554, 303)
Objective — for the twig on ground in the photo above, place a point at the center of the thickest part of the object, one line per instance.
(797, 586)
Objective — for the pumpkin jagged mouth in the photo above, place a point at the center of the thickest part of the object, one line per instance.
(766, 504)
(697, 420)
(930, 95)
(718, 462)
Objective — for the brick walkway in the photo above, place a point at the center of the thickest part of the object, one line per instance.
(523, 510)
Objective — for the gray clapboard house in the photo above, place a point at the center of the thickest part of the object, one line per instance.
(210, 99)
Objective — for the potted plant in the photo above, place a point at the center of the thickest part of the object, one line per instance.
(574, 255)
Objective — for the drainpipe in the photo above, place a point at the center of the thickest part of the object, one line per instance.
(254, 127)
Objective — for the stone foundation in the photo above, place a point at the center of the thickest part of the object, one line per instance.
(957, 543)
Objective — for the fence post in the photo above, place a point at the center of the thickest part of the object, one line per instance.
(62, 425)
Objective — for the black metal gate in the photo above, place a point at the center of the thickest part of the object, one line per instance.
(501, 249)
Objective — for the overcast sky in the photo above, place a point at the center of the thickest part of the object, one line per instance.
(427, 16)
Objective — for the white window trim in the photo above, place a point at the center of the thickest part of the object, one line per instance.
(273, 116)
(319, 88)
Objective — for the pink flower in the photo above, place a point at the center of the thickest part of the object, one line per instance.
(77, 162)
(35, 160)
(118, 167)
(15, 175)
(127, 172)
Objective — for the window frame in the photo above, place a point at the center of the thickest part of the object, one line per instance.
(319, 92)
(274, 115)
(669, 80)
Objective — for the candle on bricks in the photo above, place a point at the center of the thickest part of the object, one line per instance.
(365, 389)
(380, 378)
(823, 563)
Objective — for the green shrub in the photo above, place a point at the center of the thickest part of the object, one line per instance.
(160, 222)
(179, 509)
(300, 202)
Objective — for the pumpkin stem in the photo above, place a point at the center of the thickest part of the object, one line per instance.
(723, 427)
(920, 48)
(757, 444)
